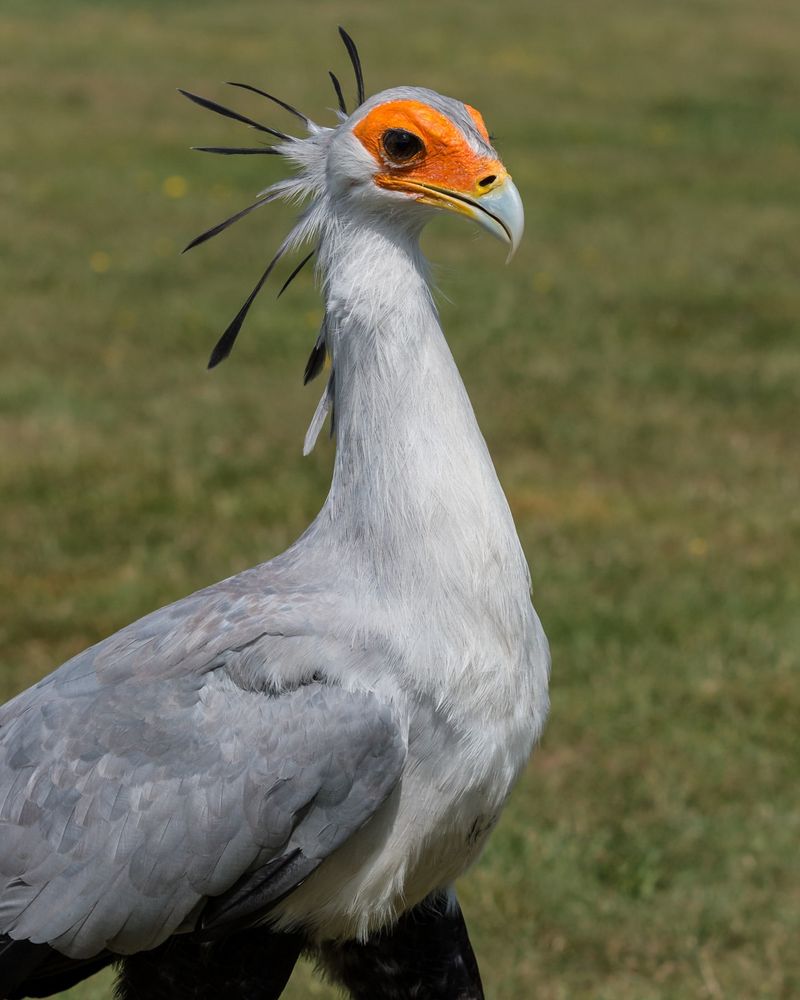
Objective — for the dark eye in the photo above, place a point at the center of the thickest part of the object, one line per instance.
(400, 145)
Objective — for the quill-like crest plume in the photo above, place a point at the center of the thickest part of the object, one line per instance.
(304, 153)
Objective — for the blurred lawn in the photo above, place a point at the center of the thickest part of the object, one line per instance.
(635, 371)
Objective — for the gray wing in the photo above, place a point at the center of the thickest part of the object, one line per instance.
(141, 780)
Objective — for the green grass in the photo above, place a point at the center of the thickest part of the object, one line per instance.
(635, 371)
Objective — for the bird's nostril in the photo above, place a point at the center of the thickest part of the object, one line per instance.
(486, 181)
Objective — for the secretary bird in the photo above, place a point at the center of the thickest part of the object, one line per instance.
(305, 756)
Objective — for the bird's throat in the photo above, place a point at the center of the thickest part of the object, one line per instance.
(412, 478)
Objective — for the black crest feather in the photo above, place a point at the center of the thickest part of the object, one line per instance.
(221, 226)
(219, 109)
(226, 342)
(270, 97)
(295, 272)
(338, 88)
(237, 150)
(316, 360)
(352, 51)
(224, 345)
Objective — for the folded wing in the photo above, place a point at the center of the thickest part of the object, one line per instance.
(158, 801)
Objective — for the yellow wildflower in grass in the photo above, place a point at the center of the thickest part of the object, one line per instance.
(661, 134)
(698, 547)
(100, 261)
(175, 186)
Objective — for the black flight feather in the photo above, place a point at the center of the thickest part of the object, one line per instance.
(294, 273)
(204, 102)
(338, 88)
(236, 150)
(352, 51)
(224, 345)
(275, 100)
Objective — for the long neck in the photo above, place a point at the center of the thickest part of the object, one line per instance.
(414, 491)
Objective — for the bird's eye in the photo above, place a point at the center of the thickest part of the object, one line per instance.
(400, 145)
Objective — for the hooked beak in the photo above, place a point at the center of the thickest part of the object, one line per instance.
(498, 210)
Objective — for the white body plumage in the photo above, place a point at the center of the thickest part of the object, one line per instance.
(417, 521)
(325, 740)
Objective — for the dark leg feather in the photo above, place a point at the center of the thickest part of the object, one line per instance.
(426, 955)
(251, 965)
(352, 51)
(18, 960)
(37, 970)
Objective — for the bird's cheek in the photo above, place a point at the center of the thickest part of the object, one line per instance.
(348, 167)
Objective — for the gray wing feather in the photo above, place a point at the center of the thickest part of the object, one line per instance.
(140, 780)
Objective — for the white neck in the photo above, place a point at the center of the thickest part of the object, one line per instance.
(416, 531)
(414, 490)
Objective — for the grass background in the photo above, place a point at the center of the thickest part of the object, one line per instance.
(635, 371)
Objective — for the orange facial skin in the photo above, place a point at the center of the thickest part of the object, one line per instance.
(477, 117)
(447, 164)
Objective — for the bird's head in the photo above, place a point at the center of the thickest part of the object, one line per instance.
(409, 151)
(400, 156)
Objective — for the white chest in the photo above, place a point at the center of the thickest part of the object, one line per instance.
(465, 754)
